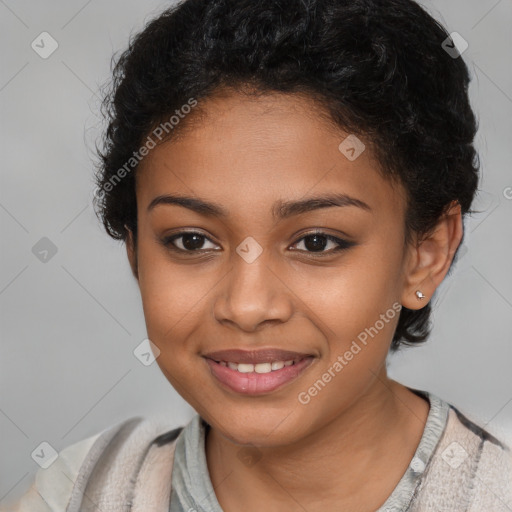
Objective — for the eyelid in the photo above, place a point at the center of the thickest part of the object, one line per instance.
(169, 239)
(342, 244)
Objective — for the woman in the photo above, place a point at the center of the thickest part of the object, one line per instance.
(290, 180)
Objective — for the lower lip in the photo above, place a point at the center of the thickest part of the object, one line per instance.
(257, 383)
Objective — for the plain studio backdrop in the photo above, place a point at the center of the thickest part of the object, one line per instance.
(71, 316)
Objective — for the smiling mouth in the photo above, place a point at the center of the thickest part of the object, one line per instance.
(259, 378)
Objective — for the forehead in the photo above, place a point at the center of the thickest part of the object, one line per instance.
(248, 152)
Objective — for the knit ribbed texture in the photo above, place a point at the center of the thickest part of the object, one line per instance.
(457, 467)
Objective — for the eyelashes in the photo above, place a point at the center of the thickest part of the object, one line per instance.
(194, 241)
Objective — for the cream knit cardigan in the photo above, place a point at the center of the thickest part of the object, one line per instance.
(127, 468)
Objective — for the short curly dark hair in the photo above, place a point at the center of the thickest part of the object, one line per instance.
(378, 67)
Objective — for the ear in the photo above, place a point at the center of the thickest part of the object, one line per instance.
(429, 260)
(131, 252)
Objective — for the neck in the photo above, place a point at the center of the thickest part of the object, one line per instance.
(338, 460)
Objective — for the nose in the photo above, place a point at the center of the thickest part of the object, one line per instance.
(252, 295)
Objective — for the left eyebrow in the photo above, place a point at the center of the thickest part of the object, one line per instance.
(284, 209)
(280, 210)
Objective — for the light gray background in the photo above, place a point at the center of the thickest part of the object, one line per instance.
(69, 326)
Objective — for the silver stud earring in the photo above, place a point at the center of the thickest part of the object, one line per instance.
(419, 295)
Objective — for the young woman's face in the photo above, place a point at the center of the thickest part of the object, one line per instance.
(256, 277)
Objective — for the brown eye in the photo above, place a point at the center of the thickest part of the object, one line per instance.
(317, 242)
(186, 241)
(314, 243)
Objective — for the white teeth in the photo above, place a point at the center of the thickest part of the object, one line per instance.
(263, 368)
(258, 368)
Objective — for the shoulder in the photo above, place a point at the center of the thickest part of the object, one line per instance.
(472, 441)
(104, 459)
(489, 467)
(470, 469)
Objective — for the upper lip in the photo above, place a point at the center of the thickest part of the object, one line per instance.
(266, 355)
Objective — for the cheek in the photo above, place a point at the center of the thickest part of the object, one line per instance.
(346, 299)
(172, 296)
(361, 329)
(174, 299)
(358, 307)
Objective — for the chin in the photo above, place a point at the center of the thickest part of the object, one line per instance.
(263, 429)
